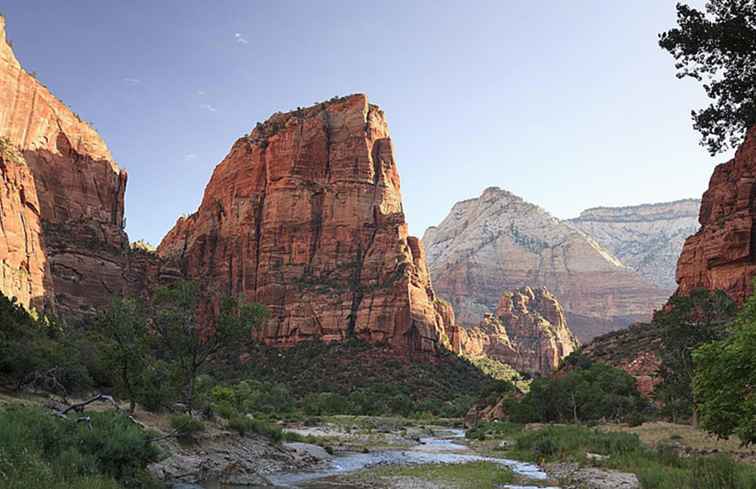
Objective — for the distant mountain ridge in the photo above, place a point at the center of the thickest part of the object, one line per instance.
(648, 238)
(499, 241)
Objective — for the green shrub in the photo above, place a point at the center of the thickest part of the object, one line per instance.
(186, 426)
(714, 472)
(595, 392)
(568, 441)
(156, 391)
(245, 425)
(39, 450)
(495, 429)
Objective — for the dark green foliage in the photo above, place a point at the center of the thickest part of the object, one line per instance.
(124, 346)
(245, 425)
(594, 392)
(157, 390)
(39, 353)
(360, 379)
(188, 342)
(186, 426)
(717, 47)
(725, 379)
(687, 323)
(40, 450)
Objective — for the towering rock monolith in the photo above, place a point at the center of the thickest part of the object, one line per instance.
(305, 216)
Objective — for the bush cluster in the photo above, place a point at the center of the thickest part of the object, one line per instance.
(587, 392)
(38, 449)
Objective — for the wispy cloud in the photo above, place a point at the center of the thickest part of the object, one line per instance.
(208, 107)
(201, 92)
(190, 156)
(240, 38)
(132, 81)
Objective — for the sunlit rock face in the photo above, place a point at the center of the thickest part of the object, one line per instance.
(499, 242)
(305, 216)
(646, 238)
(528, 331)
(721, 254)
(62, 243)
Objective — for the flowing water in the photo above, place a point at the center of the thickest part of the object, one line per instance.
(436, 449)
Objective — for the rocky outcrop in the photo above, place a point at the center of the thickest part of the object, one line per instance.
(72, 196)
(647, 238)
(528, 331)
(499, 241)
(305, 216)
(722, 254)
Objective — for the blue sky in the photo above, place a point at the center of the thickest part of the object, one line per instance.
(568, 103)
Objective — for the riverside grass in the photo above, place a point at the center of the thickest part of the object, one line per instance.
(472, 475)
(656, 468)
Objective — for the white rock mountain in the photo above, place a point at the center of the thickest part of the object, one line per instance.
(647, 238)
(499, 242)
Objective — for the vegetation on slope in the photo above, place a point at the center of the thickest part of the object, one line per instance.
(357, 378)
(724, 383)
(38, 449)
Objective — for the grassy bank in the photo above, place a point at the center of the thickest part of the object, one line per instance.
(473, 475)
(660, 467)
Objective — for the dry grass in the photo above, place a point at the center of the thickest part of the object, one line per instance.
(687, 436)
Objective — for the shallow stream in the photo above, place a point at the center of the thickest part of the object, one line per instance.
(436, 449)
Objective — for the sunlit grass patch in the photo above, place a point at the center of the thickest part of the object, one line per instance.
(472, 475)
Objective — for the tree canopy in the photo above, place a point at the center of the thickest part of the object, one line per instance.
(725, 379)
(717, 46)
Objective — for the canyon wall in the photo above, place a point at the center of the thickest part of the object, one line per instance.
(305, 216)
(499, 241)
(63, 245)
(722, 254)
(528, 331)
(647, 238)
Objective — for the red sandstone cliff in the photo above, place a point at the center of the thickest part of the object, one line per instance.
(529, 332)
(62, 246)
(305, 216)
(722, 254)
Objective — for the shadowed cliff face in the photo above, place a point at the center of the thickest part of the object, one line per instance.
(722, 254)
(305, 216)
(528, 331)
(71, 193)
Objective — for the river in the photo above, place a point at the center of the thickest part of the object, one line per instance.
(444, 447)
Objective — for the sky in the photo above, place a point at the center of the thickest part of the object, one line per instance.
(570, 104)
